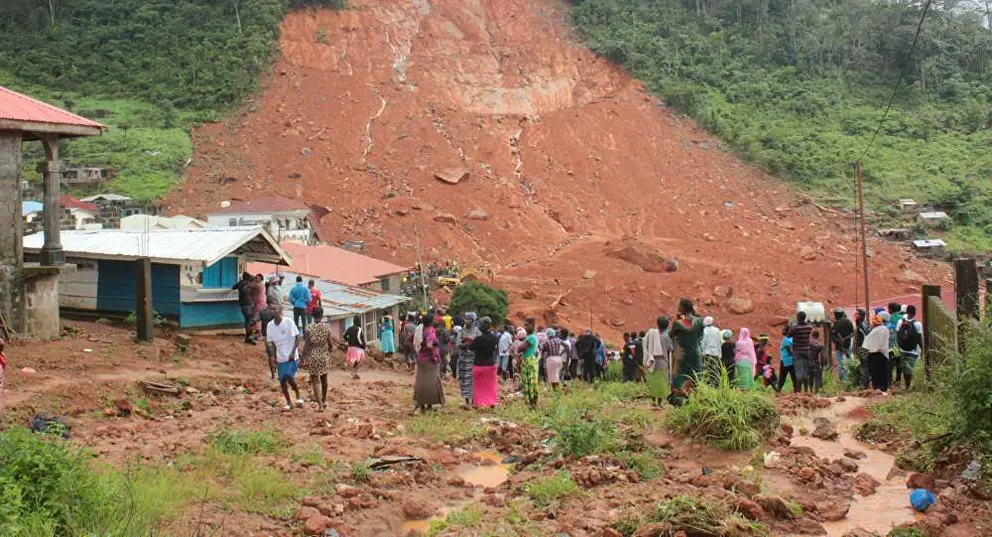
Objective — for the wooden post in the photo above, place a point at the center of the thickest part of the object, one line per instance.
(864, 233)
(146, 326)
(966, 295)
(928, 292)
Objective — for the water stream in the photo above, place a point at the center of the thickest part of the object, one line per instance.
(879, 512)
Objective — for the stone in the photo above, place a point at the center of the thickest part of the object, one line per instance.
(653, 530)
(347, 491)
(452, 176)
(749, 509)
(855, 454)
(478, 214)
(806, 472)
(808, 526)
(775, 506)
(445, 218)
(865, 484)
(124, 407)
(316, 525)
(306, 151)
(921, 481)
(28, 371)
(589, 274)
(740, 305)
(643, 255)
(848, 465)
(306, 513)
(859, 532)
(824, 430)
(832, 512)
(419, 508)
(401, 211)
(723, 291)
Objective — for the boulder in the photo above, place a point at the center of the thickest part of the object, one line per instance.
(921, 481)
(855, 454)
(775, 506)
(306, 513)
(445, 218)
(723, 291)
(420, 508)
(831, 511)
(589, 274)
(865, 484)
(848, 465)
(807, 253)
(401, 211)
(911, 278)
(643, 255)
(316, 525)
(478, 214)
(824, 429)
(749, 509)
(452, 176)
(807, 472)
(740, 305)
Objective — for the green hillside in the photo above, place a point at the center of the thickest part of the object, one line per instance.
(147, 69)
(799, 87)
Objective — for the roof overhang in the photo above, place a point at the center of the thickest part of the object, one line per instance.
(32, 130)
(254, 248)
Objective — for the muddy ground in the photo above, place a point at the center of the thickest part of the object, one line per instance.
(472, 473)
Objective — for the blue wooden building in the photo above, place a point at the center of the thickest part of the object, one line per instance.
(193, 270)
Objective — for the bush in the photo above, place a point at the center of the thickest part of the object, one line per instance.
(580, 433)
(547, 490)
(971, 388)
(47, 487)
(726, 417)
(701, 517)
(482, 299)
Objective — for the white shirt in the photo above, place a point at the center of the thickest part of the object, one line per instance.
(919, 330)
(711, 341)
(877, 340)
(283, 336)
(505, 342)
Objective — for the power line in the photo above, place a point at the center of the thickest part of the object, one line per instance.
(902, 76)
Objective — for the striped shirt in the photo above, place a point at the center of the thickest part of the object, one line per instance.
(801, 334)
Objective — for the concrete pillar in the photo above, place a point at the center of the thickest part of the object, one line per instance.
(11, 228)
(41, 302)
(51, 251)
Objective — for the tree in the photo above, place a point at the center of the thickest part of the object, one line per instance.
(481, 299)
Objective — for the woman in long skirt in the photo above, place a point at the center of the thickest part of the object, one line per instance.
(485, 374)
(529, 366)
(427, 390)
(466, 358)
(876, 345)
(745, 359)
(387, 339)
(553, 351)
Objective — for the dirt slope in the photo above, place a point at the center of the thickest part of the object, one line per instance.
(569, 159)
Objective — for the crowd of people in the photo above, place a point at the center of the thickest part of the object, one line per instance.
(683, 350)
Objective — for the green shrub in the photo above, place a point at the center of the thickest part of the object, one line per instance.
(971, 388)
(361, 473)
(244, 442)
(726, 417)
(579, 433)
(481, 299)
(702, 517)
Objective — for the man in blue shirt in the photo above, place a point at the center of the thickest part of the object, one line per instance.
(786, 368)
(299, 297)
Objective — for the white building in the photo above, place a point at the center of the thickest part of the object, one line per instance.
(285, 219)
(142, 222)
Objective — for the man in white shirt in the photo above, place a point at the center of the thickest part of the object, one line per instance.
(712, 361)
(284, 336)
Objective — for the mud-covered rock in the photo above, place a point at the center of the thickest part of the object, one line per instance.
(865, 484)
(921, 481)
(419, 508)
(824, 429)
(848, 465)
(776, 506)
(749, 509)
(831, 511)
(316, 525)
(855, 454)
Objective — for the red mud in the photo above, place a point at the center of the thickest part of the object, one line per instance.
(568, 158)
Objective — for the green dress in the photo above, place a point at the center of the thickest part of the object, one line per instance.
(529, 370)
(688, 338)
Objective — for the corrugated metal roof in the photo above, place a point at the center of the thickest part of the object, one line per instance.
(107, 197)
(19, 107)
(339, 265)
(28, 207)
(343, 300)
(263, 204)
(198, 245)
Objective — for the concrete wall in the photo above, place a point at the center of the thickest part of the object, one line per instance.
(11, 227)
(41, 305)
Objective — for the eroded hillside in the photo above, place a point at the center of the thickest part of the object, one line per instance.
(573, 168)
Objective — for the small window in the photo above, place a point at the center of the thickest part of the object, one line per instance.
(385, 284)
(233, 222)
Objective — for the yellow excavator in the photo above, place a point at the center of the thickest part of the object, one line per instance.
(467, 274)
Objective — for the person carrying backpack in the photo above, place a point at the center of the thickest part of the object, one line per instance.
(909, 338)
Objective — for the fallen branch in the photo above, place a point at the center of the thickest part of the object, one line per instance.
(158, 388)
(391, 461)
(321, 131)
(557, 302)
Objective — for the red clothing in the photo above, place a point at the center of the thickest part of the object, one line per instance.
(3, 361)
(314, 299)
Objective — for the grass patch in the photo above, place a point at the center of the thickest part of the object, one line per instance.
(646, 464)
(246, 442)
(700, 517)
(580, 433)
(725, 417)
(551, 489)
(263, 489)
(450, 428)
(467, 517)
(361, 473)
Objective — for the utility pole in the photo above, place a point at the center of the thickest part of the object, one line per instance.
(864, 233)
(420, 263)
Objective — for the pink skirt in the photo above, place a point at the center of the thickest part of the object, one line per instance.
(485, 386)
(355, 355)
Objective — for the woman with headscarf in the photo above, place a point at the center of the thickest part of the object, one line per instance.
(687, 331)
(876, 344)
(745, 359)
(711, 351)
(427, 390)
(529, 365)
(554, 357)
(485, 374)
(387, 337)
(466, 357)
(728, 348)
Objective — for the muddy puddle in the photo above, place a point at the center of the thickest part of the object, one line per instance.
(889, 506)
(489, 473)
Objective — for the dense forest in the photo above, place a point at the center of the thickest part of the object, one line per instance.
(799, 87)
(145, 68)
